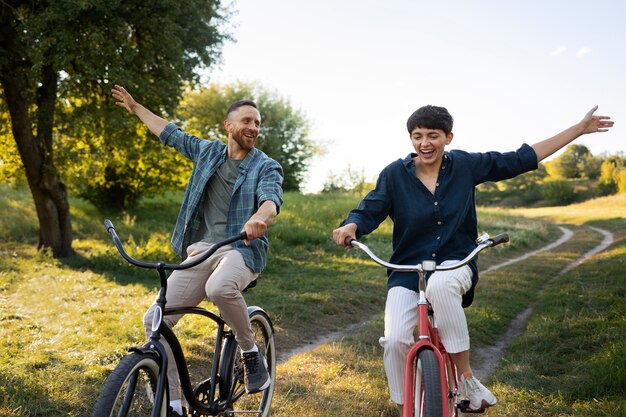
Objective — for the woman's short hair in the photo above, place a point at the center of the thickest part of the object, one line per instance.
(431, 117)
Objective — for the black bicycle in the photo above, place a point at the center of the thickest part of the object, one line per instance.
(138, 385)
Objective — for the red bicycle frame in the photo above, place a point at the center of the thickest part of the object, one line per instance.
(428, 339)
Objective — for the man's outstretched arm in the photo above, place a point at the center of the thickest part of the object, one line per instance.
(155, 123)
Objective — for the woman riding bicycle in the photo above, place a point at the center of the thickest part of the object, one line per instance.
(233, 187)
(429, 195)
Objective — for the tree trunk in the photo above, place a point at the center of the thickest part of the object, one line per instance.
(49, 193)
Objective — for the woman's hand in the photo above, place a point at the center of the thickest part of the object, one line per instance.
(593, 124)
(345, 234)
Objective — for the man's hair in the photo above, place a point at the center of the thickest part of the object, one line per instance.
(431, 117)
(240, 103)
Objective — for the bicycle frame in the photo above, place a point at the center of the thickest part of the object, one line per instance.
(213, 405)
(428, 334)
(428, 338)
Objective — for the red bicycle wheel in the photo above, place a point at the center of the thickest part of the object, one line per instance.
(428, 395)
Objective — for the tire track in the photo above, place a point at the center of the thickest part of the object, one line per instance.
(490, 357)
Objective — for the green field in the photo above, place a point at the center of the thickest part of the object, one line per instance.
(65, 323)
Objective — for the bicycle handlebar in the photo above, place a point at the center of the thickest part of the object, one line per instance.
(163, 265)
(483, 242)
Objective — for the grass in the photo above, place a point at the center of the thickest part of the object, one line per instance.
(65, 324)
(572, 359)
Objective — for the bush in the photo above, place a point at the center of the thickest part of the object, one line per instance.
(558, 193)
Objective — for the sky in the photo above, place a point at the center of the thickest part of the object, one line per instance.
(509, 72)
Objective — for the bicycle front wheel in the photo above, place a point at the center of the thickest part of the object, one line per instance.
(131, 388)
(254, 404)
(428, 396)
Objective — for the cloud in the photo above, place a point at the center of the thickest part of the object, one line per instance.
(583, 51)
(558, 51)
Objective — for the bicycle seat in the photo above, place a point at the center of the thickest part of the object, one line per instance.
(251, 285)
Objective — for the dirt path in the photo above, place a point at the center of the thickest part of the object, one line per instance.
(489, 356)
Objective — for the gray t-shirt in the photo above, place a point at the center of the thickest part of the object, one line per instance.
(216, 202)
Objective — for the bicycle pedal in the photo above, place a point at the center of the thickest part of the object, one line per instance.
(463, 407)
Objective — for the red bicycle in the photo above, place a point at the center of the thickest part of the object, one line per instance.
(431, 379)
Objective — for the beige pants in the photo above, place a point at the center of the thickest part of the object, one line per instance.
(221, 278)
(444, 291)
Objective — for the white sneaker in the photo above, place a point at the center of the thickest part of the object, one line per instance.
(478, 395)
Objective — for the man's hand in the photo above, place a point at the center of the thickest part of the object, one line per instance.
(256, 226)
(124, 99)
(592, 124)
(345, 233)
(155, 123)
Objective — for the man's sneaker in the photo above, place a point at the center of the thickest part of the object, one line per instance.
(478, 395)
(256, 376)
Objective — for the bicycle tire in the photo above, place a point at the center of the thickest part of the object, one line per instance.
(232, 369)
(428, 396)
(121, 397)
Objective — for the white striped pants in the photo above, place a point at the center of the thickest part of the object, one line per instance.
(445, 290)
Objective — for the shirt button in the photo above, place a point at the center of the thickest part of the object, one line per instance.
(433, 255)
(439, 222)
(438, 237)
(436, 203)
(436, 184)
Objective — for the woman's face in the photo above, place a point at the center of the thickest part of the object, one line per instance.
(429, 144)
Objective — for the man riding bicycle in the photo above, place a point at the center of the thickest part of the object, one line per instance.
(233, 187)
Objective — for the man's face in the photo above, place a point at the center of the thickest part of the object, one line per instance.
(243, 126)
(429, 144)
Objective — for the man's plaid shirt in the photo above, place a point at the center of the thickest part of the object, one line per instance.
(260, 179)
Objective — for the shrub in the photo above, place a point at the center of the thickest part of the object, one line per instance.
(558, 193)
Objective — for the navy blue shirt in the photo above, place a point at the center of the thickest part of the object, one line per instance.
(440, 226)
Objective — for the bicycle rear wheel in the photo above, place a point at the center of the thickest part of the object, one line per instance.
(428, 396)
(253, 404)
(130, 390)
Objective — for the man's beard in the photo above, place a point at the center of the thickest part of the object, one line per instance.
(243, 141)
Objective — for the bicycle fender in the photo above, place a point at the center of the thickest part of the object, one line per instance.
(258, 310)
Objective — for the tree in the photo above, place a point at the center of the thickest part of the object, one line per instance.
(284, 130)
(526, 181)
(612, 169)
(11, 168)
(349, 180)
(575, 161)
(67, 52)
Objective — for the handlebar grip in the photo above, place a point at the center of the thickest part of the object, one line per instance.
(349, 241)
(501, 238)
(243, 235)
(108, 224)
